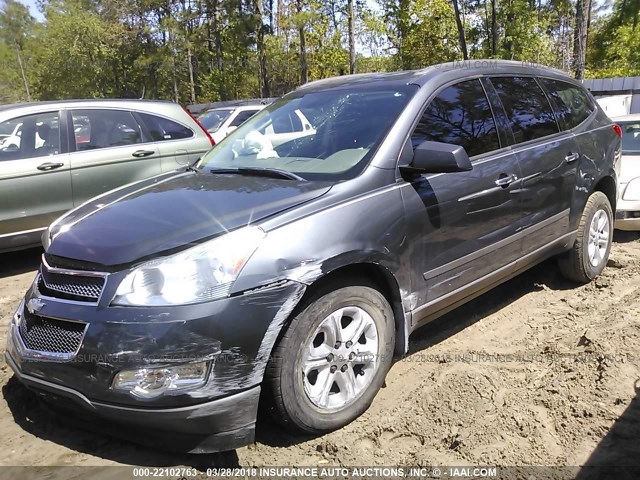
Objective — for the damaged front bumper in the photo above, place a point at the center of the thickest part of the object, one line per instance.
(235, 335)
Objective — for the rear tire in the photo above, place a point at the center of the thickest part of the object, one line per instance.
(590, 252)
(331, 361)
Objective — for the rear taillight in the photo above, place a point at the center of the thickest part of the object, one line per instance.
(201, 126)
(618, 129)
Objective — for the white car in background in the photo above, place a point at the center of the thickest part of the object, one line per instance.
(220, 122)
(10, 135)
(628, 208)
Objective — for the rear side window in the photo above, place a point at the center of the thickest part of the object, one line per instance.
(161, 128)
(527, 108)
(459, 115)
(102, 128)
(572, 105)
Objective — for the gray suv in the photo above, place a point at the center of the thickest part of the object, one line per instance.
(291, 275)
(56, 155)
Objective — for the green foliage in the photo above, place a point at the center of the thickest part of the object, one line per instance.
(428, 34)
(11, 88)
(211, 50)
(76, 51)
(16, 28)
(615, 47)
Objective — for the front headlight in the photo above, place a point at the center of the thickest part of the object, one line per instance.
(153, 382)
(632, 192)
(199, 274)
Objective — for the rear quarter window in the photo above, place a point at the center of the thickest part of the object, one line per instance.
(571, 104)
(161, 128)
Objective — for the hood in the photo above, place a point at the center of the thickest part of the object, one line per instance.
(170, 212)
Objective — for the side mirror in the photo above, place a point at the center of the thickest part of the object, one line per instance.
(436, 157)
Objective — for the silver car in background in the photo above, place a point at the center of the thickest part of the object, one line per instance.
(55, 156)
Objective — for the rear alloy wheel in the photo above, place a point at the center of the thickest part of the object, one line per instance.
(590, 251)
(332, 360)
(599, 238)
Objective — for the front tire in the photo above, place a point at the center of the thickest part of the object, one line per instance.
(590, 251)
(331, 361)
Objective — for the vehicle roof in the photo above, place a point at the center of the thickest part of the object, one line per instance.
(634, 117)
(450, 70)
(107, 102)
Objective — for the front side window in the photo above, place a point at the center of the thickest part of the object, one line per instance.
(571, 104)
(161, 128)
(102, 128)
(459, 115)
(349, 125)
(526, 106)
(30, 136)
(630, 137)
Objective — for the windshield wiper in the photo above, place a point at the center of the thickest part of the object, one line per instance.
(192, 167)
(260, 172)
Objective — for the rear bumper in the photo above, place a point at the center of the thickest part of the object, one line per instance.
(187, 429)
(628, 215)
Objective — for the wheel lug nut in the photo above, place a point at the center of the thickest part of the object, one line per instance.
(330, 357)
(352, 356)
(343, 368)
(338, 345)
(333, 369)
(349, 343)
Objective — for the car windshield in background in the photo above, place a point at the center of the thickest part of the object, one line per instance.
(212, 119)
(630, 137)
(327, 135)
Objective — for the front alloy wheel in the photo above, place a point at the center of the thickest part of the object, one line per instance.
(341, 358)
(332, 360)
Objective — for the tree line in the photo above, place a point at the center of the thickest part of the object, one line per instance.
(194, 51)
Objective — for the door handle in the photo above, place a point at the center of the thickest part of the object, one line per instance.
(571, 157)
(143, 153)
(505, 180)
(49, 166)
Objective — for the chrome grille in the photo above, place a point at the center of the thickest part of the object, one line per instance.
(44, 334)
(70, 284)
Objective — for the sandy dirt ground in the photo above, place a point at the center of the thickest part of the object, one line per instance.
(537, 372)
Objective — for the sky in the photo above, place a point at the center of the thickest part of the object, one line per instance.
(33, 8)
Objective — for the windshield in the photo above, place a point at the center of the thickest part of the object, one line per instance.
(326, 135)
(212, 119)
(630, 137)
